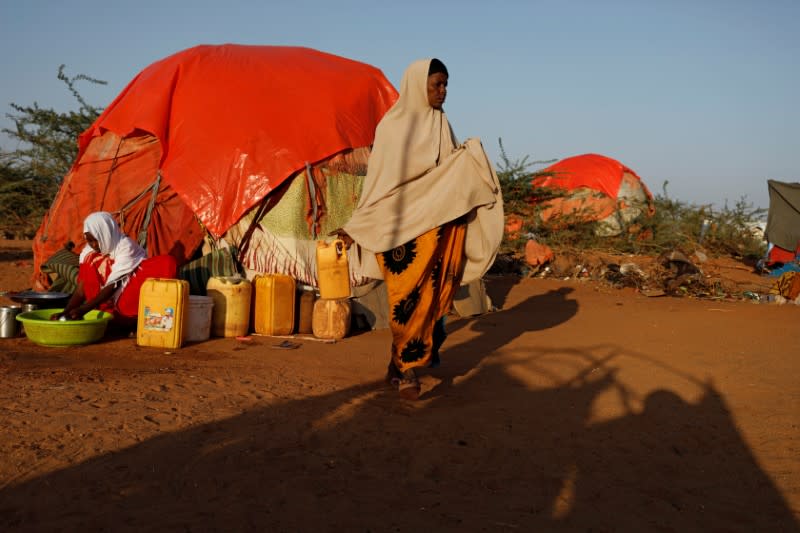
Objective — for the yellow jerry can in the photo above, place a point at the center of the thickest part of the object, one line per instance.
(162, 313)
(304, 309)
(273, 304)
(232, 300)
(331, 318)
(333, 271)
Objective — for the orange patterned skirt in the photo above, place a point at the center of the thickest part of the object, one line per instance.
(422, 277)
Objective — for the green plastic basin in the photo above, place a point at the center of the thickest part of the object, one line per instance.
(41, 330)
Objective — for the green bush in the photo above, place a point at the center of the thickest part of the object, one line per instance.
(47, 145)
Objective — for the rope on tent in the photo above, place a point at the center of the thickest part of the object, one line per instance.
(244, 243)
(150, 206)
(121, 210)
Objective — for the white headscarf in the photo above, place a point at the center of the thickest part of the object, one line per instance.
(419, 178)
(126, 253)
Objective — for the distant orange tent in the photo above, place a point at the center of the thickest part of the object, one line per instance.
(197, 139)
(594, 188)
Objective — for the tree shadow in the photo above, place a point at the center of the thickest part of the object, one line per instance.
(484, 451)
(538, 312)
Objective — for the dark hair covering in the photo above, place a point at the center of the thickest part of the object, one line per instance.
(437, 66)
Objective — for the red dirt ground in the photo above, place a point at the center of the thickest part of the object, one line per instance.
(575, 407)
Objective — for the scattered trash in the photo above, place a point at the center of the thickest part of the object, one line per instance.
(625, 275)
(672, 273)
(628, 268)
(706, 225)
(787, 286)
(537, 254)
(652, 293)
(286, 345)
(678, 263)
(581, 272)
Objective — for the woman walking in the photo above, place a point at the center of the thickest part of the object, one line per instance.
(429, 217)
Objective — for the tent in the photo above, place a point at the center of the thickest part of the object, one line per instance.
(592, 188)
(783, 221)
(201, 137)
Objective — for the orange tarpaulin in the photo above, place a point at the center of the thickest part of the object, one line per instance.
(234, 121)
(120, 176)
(206, 134)
(592, 185)
(593, 171)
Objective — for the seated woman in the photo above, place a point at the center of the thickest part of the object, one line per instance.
(112, 270)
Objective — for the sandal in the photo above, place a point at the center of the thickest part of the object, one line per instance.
(409, 386)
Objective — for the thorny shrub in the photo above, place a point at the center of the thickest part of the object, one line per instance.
(676, 225)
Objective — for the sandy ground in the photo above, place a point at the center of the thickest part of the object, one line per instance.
(575, 407)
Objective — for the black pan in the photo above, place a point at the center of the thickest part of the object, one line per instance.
(41, 299)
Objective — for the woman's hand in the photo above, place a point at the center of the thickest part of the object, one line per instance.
(76, 313)
(342, 234)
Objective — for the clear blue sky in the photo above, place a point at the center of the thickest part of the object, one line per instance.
(703, 93)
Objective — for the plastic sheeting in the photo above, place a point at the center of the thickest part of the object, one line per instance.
(223, 125)
(596, 188)
(783, 219)
(119, 175)
(234, 121)
(592, 171)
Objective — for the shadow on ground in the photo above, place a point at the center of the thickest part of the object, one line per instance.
(483, 452)
(15, 255)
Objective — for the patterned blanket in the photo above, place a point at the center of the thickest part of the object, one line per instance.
(280, 235)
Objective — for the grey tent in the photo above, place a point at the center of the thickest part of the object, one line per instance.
(783, 219)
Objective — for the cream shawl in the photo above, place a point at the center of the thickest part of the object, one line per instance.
(419, 177)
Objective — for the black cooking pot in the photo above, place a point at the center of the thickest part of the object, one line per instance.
(44, 300)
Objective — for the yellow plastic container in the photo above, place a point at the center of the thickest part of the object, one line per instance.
(304, 311)
(333, 272)
(331, 318)
(162, 313)
(273, 304)
(232, 300)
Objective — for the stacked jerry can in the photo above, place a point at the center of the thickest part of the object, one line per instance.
(332, 312)
(331, 318)
(162, 313)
